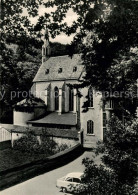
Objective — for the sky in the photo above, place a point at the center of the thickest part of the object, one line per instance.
(70, 17)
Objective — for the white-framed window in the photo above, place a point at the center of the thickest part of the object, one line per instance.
(90, 97)
(90, 127)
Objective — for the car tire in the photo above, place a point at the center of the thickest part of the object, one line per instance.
(64, 190)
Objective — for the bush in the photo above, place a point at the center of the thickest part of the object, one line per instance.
(119, 156)
(30, 144)
(62, 147)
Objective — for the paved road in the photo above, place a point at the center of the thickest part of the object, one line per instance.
(46, 184)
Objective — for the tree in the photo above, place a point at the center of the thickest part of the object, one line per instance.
(107, 36)
(106, 31)
(13, 25)
(118, 173)
(18, 67)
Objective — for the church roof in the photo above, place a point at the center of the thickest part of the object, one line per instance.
(54, 118)
(66, 65)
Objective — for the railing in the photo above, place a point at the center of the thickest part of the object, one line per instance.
(5, 135)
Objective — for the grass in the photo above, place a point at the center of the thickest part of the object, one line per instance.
(27, 150)
(10, 158)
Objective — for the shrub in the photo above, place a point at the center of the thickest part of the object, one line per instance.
(62, 147)
(29, 144)
(119, 155)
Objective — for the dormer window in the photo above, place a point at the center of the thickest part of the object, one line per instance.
(59, 70)
(47, 71)
(74, 68)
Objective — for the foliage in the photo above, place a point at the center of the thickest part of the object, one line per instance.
(31, 145)
(14, 76)
(120, 149)
(27, 143)
(103, 21)
(99, 180)
(62, 147)
(118, 173)
(19, 64)
(106, 32)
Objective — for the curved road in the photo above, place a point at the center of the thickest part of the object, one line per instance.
(45, 184)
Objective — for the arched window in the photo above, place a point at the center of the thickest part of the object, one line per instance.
(90, 97)
(56, 98)
(90, 127)
(71, 102)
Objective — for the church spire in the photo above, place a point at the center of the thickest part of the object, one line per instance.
(46, 34)
(46, 50)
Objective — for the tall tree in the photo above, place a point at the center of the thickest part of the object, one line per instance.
(106, 31)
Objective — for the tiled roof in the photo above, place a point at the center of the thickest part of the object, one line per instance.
(54, 118)
(54, 63)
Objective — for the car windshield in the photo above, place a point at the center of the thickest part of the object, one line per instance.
(69, 179)
(77, 180)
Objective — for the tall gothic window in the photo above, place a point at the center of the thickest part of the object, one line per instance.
(90, 127)
(56, 98)
(71, 96)
(90, 97)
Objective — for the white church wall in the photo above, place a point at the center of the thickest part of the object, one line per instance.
(40, 93)
(20, 118)
(95, 114)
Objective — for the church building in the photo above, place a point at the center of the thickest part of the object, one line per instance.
(64, 106)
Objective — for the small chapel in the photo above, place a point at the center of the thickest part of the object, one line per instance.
(62, 106)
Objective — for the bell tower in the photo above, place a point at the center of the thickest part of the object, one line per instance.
(46, 50)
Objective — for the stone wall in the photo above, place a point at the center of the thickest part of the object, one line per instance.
(56, 132)
(69, 142)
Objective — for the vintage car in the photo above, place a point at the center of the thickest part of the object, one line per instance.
(69, 182)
